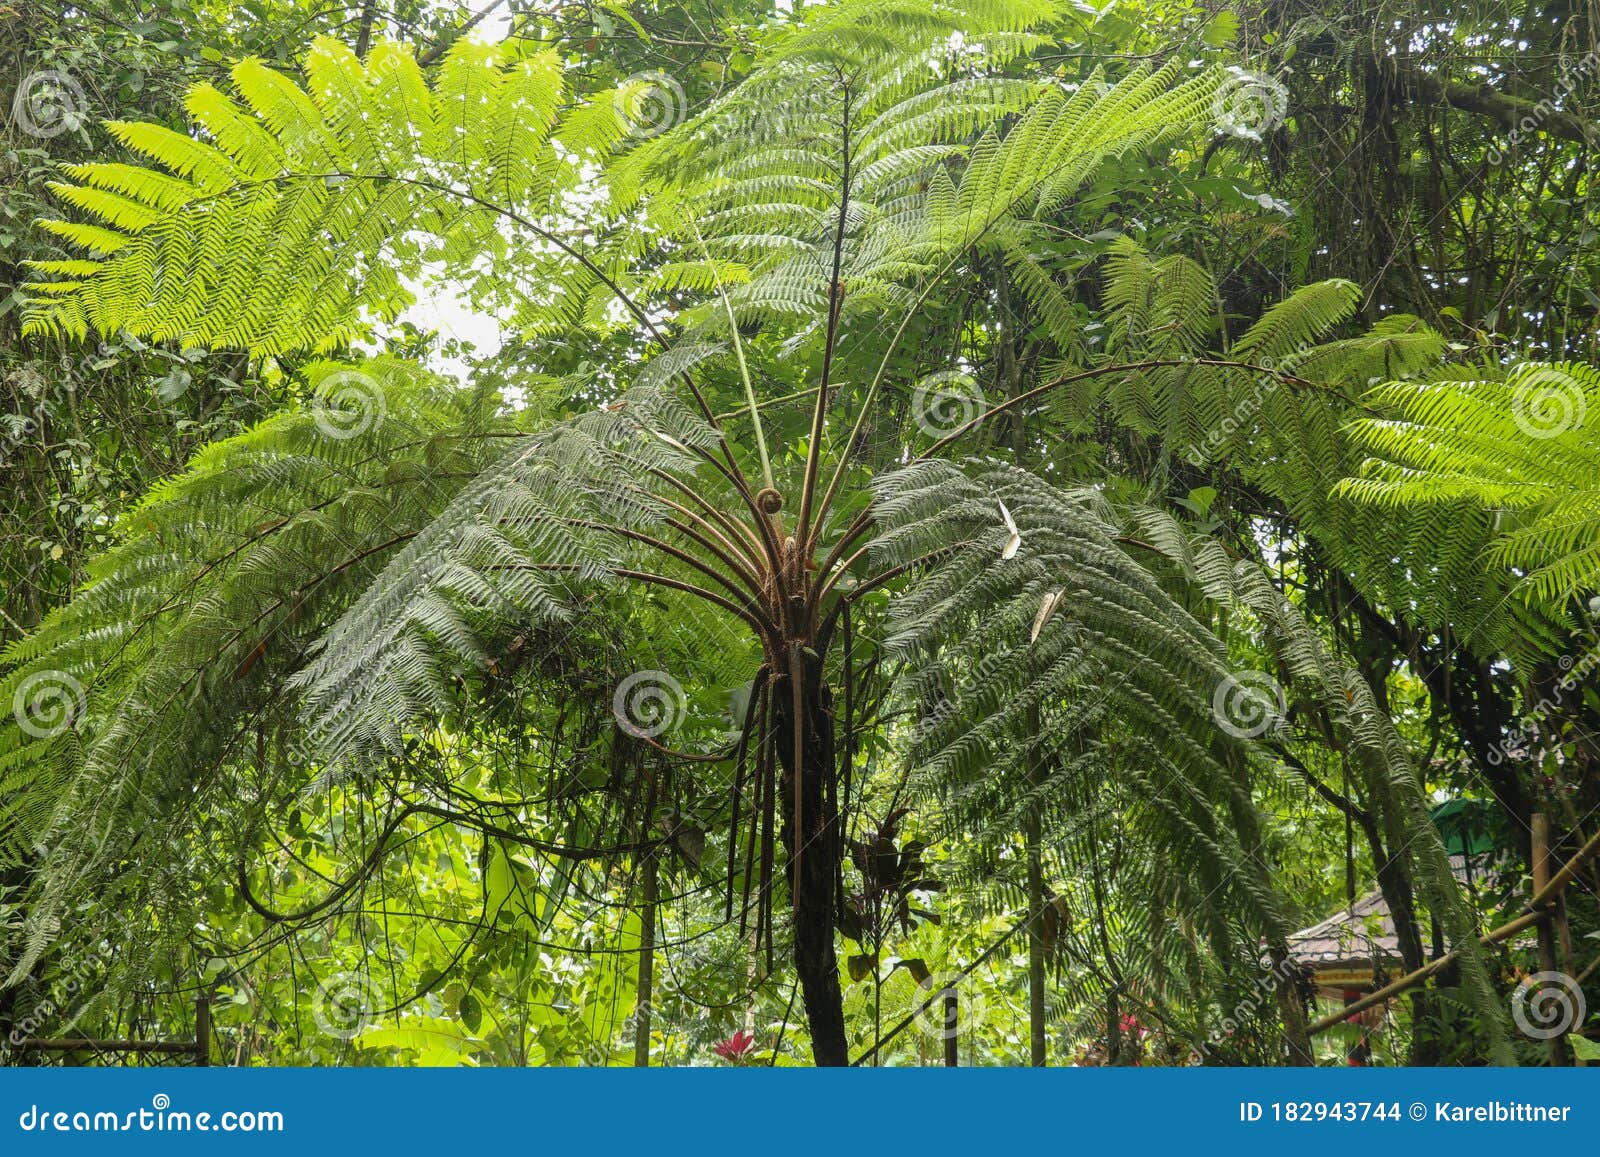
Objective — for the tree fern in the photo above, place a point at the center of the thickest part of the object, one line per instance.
(293, 215)
(1519, 446)
(380, 624)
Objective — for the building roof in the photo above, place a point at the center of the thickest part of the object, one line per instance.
(1356, 936)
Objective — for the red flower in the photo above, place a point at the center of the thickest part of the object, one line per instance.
(736, 1048)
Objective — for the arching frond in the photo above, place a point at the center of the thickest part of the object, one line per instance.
(290, 217)
(1521, 447)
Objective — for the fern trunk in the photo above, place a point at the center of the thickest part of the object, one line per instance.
(815, 854)
(647, 965)
(1037, 1041)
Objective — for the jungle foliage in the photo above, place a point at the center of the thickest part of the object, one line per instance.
(988, 510)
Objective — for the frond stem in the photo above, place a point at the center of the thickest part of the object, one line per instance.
(819, 411)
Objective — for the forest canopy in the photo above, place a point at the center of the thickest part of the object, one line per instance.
(746, 532)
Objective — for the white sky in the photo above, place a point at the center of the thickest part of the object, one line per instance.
(438, 307)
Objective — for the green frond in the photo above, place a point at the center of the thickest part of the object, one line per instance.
(1305, 316)
(290, 219)
(214, 591)
(1521, 447)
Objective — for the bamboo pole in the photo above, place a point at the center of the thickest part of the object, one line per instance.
(1564, 876)
(73, 1044)
(1538, 912)
(1547, 932)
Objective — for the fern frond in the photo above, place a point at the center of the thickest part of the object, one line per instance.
(1522, 447)
(291, 218)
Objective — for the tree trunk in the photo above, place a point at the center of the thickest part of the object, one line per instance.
(816, 851)
(1547, 933)
(1292, 1009)
(647, 964)
(1037, 1042)
(1398, 894)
